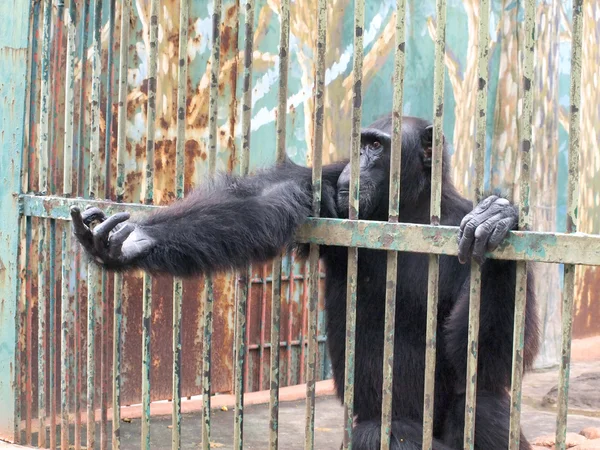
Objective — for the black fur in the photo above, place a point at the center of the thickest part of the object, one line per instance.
(233, 221)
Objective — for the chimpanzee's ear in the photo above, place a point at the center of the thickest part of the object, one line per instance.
(427, 137)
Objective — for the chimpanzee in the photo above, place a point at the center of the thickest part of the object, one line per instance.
(232, 221)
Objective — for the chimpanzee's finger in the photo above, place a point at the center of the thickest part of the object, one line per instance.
(118, 237)
(480, 208)
(500, 232)
(482, 236)
(82, 233)
(101, 232)
(93, 214)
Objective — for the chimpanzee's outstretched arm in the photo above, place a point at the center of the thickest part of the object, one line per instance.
(225, 224)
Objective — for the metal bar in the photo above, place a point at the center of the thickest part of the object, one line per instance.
(290, 322)
(263, 320)
(280, 141)
(52, 333)
(525, 128)
(475, 281)
(120, 188)
(313, 272)
(148, 199)
(84, 20)
(66, 328)
(352, 276)
(241, 297)
(109, 97)
(212, 164)
(95, 293)
(45, 99)
(562, 248)
(29, 336)
(184, 11)
(393, 210)
(42, 331)
(572, 206)
(13, 92)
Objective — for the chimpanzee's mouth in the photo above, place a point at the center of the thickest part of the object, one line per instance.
(344, 191)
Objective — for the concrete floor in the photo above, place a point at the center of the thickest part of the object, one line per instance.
(536, 420)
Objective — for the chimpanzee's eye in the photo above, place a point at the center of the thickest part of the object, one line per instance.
(376, 145)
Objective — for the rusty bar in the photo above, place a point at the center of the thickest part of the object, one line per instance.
(212, 164)
(290, 322)
(66, 326)
(351, 292)
(45, 100)
(475, 275)
(42, 331)
(242, 332)
(435, 212)
(184, 11)
(52, 333)
(572, 205)
(95, 293)
(120, 178)
(85, 19)
(263, 320)
(148, 200)
(109, 98)
(393, 209)
(310, 311)
(29, 337)
(304, 320)
(548, 247)
(525, 136)
(280, 141)
(13, 92)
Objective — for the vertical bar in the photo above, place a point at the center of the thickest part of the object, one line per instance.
(393, 210)
(525, 136)
(263, 320)
(148, 199)
(13, 88)
(52, 333)
(29, 339)
(475, 282)
(120, 188)
(242, 291)
(66, 309)
(290, 337)
(572, 205)
(84, 21)
(359, 12)
(313, 271)
(435, 212)
(94, 272)
(280, 142)
(104, 375)
(42, 331)
(45, 98)
(212, 163)
(184, 11)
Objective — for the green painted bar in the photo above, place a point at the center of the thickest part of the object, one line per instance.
(95, 293)
(435, 213)
(14, 32)
(475, 282)
(66, 328)
(184, 12)
(45, 99)
(280, 143)
(525, 138)
(241, 293)
(357, 69)
(42, 331)
(393, 210)
(120, 176)
(562, 248)
(52, 332)
(148, 199)
(212, 164)
(67, 319)
(572, 206)
(313, 267)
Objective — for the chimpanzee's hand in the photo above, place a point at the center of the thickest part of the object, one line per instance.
(484, 228)
(114, 241)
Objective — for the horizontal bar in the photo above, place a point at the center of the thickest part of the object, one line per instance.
(575, 248)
